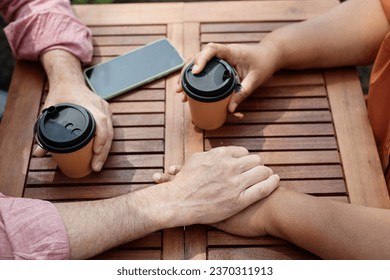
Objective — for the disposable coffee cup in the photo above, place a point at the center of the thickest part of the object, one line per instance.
(209, 92)
(67, 131)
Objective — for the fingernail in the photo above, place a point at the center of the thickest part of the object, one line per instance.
(233, 107)
(156, 177)
(98, 166)
(195, 69)
(172, 169)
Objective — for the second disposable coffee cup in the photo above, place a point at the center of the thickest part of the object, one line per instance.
(209, 92)
(67, 131)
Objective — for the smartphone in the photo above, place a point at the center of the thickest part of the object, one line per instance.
(133, 69)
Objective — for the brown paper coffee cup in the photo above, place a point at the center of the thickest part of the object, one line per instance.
(67, 132)
(209, 92)
(209, 116)
(76, 164)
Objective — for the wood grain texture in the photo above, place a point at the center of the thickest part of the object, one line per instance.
(174, 142)
(364, 179)
(16, 130)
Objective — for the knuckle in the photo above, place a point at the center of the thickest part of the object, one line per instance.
(259, 159)
(211, 45)
(244, 150)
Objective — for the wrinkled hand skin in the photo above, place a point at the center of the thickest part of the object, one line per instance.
(217, 184)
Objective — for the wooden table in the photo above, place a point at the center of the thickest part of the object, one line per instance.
(311, 127)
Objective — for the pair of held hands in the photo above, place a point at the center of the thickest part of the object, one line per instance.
(223, 187)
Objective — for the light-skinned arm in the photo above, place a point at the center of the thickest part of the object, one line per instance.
(349, 34)
(210, 187)
(50, 32)
(325, 227)
(67, 85)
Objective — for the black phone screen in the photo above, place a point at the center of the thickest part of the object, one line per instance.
(133, 69)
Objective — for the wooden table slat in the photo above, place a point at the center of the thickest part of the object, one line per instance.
(78, 192)
(315, 103)
(137, 146)
(220, 238)
(316, 186)
(291, 91)
(118, 176)
(300, 157)
(126, 40)
(308, 171)
(233, 37)
(271, 130)
(126, 120)
(128, 29)
(142, 94)
(130, 133)
(296, 79)
(264, 117)
(241, 27)
(275, 143)
(114, 161)
(129, 255)
(16, 130)
(357, 148)
(137, 107)
(259, 253)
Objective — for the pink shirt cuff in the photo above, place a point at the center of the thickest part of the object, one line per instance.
(31, 229)
(47, 25)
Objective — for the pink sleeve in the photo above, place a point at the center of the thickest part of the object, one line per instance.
(37, 26)
(31, 229)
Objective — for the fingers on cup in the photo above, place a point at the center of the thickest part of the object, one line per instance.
(236, 99)
(246, 88)
(103, 140)
(204, 56)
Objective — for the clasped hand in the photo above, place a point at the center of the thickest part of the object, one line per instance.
(215, 185)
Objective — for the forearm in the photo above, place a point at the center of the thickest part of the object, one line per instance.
(210, 187)
(349, 34)
(329, 229)
(62, 68)
(96, 226)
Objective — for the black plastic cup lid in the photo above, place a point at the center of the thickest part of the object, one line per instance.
(65, 128)
(216, 81)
